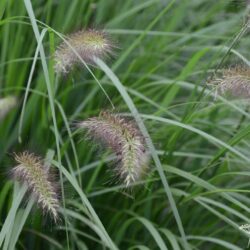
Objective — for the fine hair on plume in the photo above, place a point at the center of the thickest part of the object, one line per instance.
(83, 45)
(125, 140)
(32, 171)
(233, 82)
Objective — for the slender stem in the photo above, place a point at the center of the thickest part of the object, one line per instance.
(30, 11)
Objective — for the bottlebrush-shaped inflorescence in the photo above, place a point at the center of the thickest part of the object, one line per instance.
(6, 104)
(85, 45)
(125, 140)
(234, 82)
(33, 172)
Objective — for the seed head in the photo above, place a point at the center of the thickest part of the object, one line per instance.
(33, 172)
(234, 82)
(6, 104)
(88, 44)
(245, 227)
(125, 140)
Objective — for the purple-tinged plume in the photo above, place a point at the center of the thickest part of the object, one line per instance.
(86, 44)
(234, 82)
(124, 138)
(33, 172)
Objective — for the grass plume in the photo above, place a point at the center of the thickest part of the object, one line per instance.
(6, 104)
(125, 140)
(33, 172)
(234, 82)
(88, 44)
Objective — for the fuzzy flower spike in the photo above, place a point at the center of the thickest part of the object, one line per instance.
(88, 44)
(6, 104)
(125, 140)
(234, 82)
(33, 172)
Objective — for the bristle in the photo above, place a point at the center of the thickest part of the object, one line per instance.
(6, 104)
(125, 140)
(88, 44)
(32, 172)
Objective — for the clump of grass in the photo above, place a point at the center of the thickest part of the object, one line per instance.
(234, 82)
(33, 172)
(125, 140)
(7, 104)
(86, 44)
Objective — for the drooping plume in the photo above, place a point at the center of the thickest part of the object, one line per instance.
(6, 104)
(86, 44)
(33, 172)
(234, 82)
(125, 140)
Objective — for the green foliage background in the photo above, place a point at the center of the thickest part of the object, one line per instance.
(166, 52)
